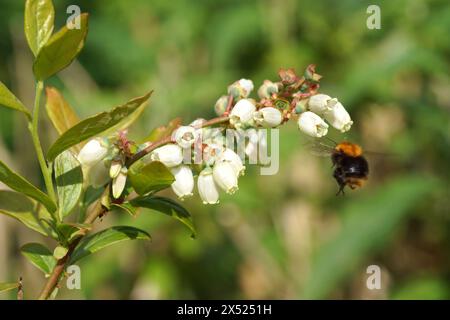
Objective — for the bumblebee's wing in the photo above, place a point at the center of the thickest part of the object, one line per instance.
(319, 148)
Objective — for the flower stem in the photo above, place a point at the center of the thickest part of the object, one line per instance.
(33, 127)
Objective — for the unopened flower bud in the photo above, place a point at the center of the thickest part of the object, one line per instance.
(221, 105)
(114, 170)
(241, 88)
(92, 152)
(268, 117)
(267, 89)
(339, 118)
(170, 155)
(225, 176)
(207, 188)
(119, 183)
(184, 181)
(233, 158)
(320, 103)
(185, 136)
(311, 124)
(242, 113)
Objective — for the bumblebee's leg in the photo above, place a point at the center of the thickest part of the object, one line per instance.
(341, 190)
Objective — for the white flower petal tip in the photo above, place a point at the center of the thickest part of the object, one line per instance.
(268, 117)
(119, 183)
(234, 160)
(312, 125)
(242, 113)
(185, 136)
(170, 155)
(339, 118)
(320, 103)
(92, 152)
(225, 176)
(241, 88)
(183, 185)
(207, 188)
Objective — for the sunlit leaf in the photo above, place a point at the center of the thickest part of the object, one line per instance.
(151, 177)
(60, 50)
(39, 17)
(95, 125)
(40, 256)
(127, 207)
(7, 286)
(163, 131)
(168, 207)
(9, 100)
(59, 111)
(106, 238)
(69, 182)
(19, 184)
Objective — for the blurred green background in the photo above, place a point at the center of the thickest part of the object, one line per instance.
(285, 236)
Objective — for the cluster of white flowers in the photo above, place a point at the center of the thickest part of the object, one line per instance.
(320, 107)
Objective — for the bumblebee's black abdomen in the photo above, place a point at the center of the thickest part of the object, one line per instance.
(354, 166)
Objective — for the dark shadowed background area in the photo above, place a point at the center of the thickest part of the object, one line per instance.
(285, 236)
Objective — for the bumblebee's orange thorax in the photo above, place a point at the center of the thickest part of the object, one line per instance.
(350, 149)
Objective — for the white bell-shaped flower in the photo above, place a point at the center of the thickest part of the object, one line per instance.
(241, 88)
(339, 118)
(207, 188)
(233, 158)
(170, 155)
(92, 152)
(211, 152)
(184, 181)
(98, 174)
(225, 176)
(268, 117)
(185, 136)
(311, 124)
(320, 103)
(242, 113)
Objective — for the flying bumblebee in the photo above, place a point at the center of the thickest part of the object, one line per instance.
(350, 166)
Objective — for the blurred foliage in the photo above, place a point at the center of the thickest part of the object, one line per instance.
(282, 236)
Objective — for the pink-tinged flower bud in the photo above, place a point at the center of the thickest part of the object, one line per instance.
(170, 155)
(242, 113)
(225, 176)
(267, 89)
(184, 181)
(207, 188)
(221, 105)
(320, 103)
(241, 88)
(339, 118)
(311, 124)
(233, 158)
(119, 183)
(92, 152)
(185, 136)
(268, 117)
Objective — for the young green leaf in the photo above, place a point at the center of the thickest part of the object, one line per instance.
(168, 207)
(40, 256)
(61, 49)
(151, 177)
(9, 100)
(105, 238)
(39, 17)
(95, 125)
(6, 286)
(163, 131)
(19, 184)
(59, 111)
(19, 207)
(127, 207)
(69, 182)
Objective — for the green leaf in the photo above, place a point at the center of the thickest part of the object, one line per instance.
(19, 207)
(127, 207)
(366, 227)
(166, 206)
(60, 50)
(95, 125)
(40, 256)
(69, 182)
(6, 286)
(163, 131)
(59, 111)
(60, 252)
(9, 100)
(69, 231)
(151, 177)
(19, 184)
(39, 17)
(105, 238)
